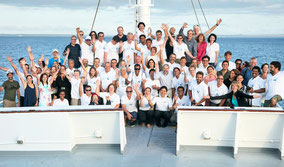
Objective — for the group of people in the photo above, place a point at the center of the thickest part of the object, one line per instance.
(147, 75)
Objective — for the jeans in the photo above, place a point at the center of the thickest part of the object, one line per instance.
(162, 114)
(145, 116)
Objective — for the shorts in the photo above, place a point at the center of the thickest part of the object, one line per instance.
(276, 97)
(8, 103)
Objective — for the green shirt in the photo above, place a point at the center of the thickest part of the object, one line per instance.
(227, 74)
(10, 90)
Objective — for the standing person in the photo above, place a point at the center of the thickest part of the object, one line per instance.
(11, 87)
(201, 46)
(165, 77)
(247, 72)
(85, 98)
(93, 79)
(45, 89)
(121, 38)
(196, 28)
(107, 77)
(264, 71)
(228, 57)
(93, 35)
(190, 42)
(146, 109)
(241, 86)
(75, 83)
(75, 51)
(112, 50)
(164, 106)
(141, 30)
(61, 101)
(238, 63)
(232, 77)
(211, 75)
(256, 85)
(197, 90)
(212, 50)
(275, 81)
(129, 104)
(99, 47)
(128, 48)
(178, 81)
(122, 82)
(144, 47)
(225, 72)
(205, 64)
(137, 77)
(218, 88)
(159, 42)
(152, 83)
(56, 58)
(62, 83)
(110, 97)
(87, 46)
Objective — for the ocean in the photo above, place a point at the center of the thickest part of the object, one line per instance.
(264, 49)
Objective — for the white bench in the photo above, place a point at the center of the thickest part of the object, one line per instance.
(60, 129)
(239, 128)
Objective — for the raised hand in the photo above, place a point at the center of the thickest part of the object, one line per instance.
(135, 37)
(9, 59)
(80, 60)
(107, 98)
(150, 30)
(32, 57)
(175, 97)
(136, 86)
(77, 29)
(219, 21)
(46, 62)
(128, 59)
(184, 25)
(29, 49)
(121, 44)
(41, 58)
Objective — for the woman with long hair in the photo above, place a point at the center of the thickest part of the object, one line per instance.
(212, 49)
(201, 46)
(93, 79)
(231, 78)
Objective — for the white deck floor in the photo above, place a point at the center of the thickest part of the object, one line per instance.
(154, 147)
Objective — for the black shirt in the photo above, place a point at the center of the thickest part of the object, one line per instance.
(122, 39)
(63, 84)
(169, 50)
(75, 53)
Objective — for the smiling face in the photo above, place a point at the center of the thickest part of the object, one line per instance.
(212, 39)
(240, 79)
(111, 89)
(199, 78)
(255, 73)
(163, 92)
(147, 92)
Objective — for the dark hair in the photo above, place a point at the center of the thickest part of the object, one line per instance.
(197, 37)
(148, 39)
(20, 59)
(246, 64)
(228, 53)
(96, 36)
(29, 76)
(73, 36)
(96, 73)
(62, 91)
(148, 63)
(100, 33)
(137, 65)
(238, 60)
(225, 61)
(276, 64)
(146, 89)
(182, 58)
(111, 85)
(115, 38)
(262, 66)
(210, 67)
(180, 87)
(88, 86)
(159, 31)
(140, 24)
(200, 73)
(41, 77)
(179, 35)
(256, 67)
(164, 87)
(204, 57)
(176, 68)
(214, 35)
(239, 75)
(142, 35)
(151, 70)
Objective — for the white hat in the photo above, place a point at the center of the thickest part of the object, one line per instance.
(9, 72)
(88, 37)
(55, 50)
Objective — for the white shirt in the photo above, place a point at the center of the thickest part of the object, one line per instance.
(114, 99)
(177, 82)
(211, 51)
(130, 104)
(112, 51)
(256, 83)
(198, 91)
(75, 83)
(217, 91)
(70, 72)
(100, 50)
(232, 66)
(128, 50)
(144, 50)
(99, 69)
(179, 49)
(202, 69)
(145, 104)
(184, 101)
(121, 90)
(275, 85)
(155, 58)
(87, 53)
(165, 80)
(107, 78)
(140, 33)
(59, 103)
(163, 103)
(172, 66)
(158, 45)
(93, 82)
(85, 100)
(149, 83)
(137, 79)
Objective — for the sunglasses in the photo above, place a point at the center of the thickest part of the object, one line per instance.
(87, 40)
(137, 68)
(88, 89)
(179, 38)
(128, 91)
(101, 36)
(81, 34)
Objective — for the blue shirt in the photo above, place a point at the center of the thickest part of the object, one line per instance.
(50, 63)
(235, 102)
(247, 73)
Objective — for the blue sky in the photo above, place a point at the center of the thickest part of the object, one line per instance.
(246, 17)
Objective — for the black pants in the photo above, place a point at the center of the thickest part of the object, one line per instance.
(22, 101)
(145, 116)
(162, 114)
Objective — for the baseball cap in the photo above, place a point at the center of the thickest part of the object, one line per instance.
(55, 50)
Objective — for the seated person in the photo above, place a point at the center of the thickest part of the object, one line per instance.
(61, 101)
(146, 109)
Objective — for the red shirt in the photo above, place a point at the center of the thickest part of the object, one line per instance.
(201, 50)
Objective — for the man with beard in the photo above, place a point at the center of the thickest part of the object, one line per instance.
(11, 87)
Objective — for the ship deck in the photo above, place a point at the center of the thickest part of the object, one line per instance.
(153, 147)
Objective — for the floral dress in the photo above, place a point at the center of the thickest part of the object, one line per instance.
(44, 95)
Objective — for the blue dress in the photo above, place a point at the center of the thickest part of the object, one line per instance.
(30, 96)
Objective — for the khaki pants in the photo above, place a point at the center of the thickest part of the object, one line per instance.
(8, 103)
(75, 102)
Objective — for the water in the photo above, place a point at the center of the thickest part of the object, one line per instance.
(264, 49)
